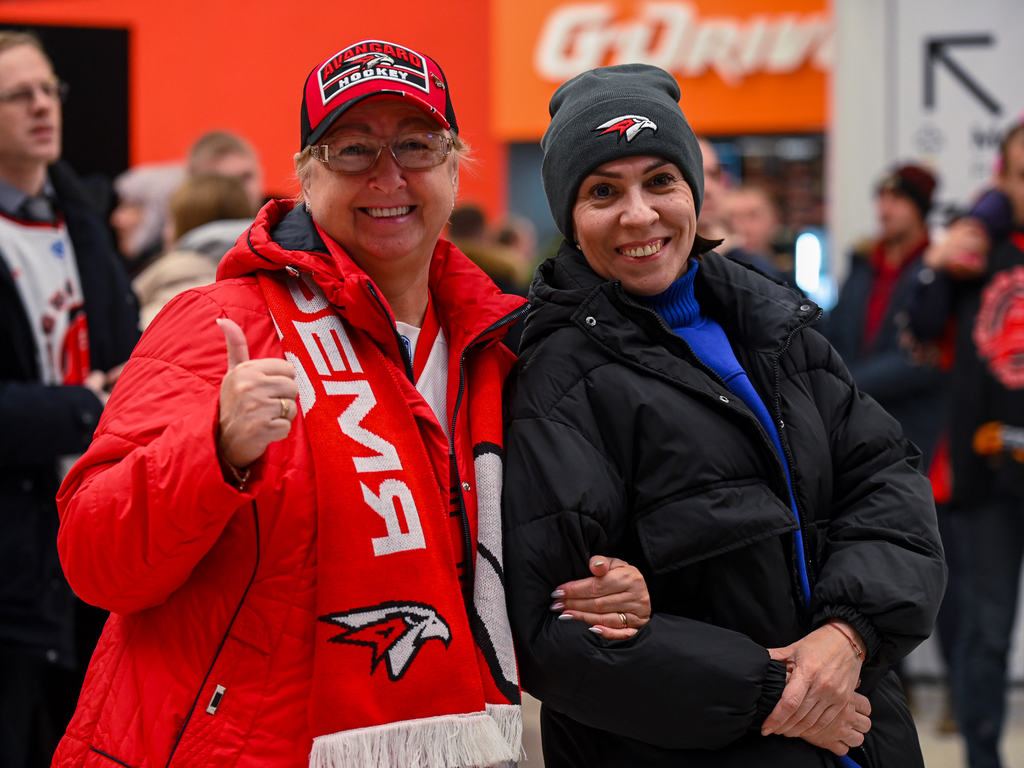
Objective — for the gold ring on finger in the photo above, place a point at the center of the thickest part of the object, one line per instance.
(622, 618)
(285, 407)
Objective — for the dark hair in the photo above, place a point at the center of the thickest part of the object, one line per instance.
(1016, 133)
(467, 222)
(702, 245)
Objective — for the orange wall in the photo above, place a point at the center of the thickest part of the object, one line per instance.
(198, 65)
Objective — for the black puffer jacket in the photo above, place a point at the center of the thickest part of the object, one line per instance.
(620, 443)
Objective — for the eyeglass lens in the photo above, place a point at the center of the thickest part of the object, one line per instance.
(414, 151)
(25, 94)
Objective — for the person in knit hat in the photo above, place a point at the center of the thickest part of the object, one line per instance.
(867, 322)
(678, 411)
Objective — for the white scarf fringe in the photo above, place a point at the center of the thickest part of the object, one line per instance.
(509, 718)
(446, 741)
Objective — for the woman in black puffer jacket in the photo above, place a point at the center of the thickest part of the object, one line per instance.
(687, 418)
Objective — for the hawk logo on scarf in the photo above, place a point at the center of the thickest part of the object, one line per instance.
(395, 631)
(627, 125)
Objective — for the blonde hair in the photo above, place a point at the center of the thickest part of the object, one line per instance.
(10, 39)
(303, 163)
(211, 147)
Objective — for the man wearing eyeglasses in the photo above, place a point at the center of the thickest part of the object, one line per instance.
(67, 319)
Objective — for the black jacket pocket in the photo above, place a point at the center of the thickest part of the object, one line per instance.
(711, 521)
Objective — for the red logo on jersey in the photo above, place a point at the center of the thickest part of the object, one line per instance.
(75, 362)
(999, 327)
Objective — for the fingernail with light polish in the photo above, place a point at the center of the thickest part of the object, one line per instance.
(598, 562)
(557, 606)
(558, 593)
(596, 630)
(565, 617)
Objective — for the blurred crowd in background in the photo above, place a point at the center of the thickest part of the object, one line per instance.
(903, 323)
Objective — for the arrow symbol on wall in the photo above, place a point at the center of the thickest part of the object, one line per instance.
(936, 54)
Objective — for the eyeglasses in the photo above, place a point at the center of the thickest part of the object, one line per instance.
(358, 154)
(26, 94)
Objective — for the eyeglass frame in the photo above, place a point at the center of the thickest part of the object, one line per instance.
(447, 145)
(26, 94)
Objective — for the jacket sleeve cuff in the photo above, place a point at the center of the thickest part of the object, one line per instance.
(253, 480)
(855, 619)
(771, 691)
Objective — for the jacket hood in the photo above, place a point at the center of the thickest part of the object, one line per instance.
(284, 235)
(753, 309)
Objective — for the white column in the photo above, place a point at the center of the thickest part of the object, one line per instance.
(860, 141)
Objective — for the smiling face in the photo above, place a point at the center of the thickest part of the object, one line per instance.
(634, 220)
(29, 130)
(387, 217)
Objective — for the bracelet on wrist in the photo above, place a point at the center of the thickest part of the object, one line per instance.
(241, 476)
(853, 643)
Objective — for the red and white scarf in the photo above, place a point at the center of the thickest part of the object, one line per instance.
(402, 676)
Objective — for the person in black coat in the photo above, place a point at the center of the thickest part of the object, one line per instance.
(681, 414)
(45, 220)
(974, 283)
(867, 323)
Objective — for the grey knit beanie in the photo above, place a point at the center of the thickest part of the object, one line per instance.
(607, 114)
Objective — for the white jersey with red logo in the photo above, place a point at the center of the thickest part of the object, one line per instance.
(41, 259)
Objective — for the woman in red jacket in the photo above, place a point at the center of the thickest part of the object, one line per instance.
(299, 538)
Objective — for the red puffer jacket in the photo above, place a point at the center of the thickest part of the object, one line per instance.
(208, 586)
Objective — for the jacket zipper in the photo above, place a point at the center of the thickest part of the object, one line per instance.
(808, 565)
(402, 350)
(109, 757)
(467, 538)
(209, 671)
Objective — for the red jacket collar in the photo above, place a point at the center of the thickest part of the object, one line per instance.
(466, 300)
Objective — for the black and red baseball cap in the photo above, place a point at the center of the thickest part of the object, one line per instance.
(373, 69)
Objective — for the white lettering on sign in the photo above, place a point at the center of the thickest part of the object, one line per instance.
(383, 503)
(673, 36)
(386, 459)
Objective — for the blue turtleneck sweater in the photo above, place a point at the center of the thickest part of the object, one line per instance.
(679, 307)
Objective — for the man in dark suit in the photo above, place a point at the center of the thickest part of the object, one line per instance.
(67, 321)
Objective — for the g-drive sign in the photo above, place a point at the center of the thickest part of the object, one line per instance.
(371, 60)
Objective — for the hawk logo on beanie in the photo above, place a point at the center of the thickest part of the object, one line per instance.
(371, 60)
(395, 631)
(627, 125)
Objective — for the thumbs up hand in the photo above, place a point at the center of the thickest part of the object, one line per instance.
(257, 400)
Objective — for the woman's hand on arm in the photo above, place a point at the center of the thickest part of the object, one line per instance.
(847, 730)
(824, 673)
(617, 590)
(257, 401)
